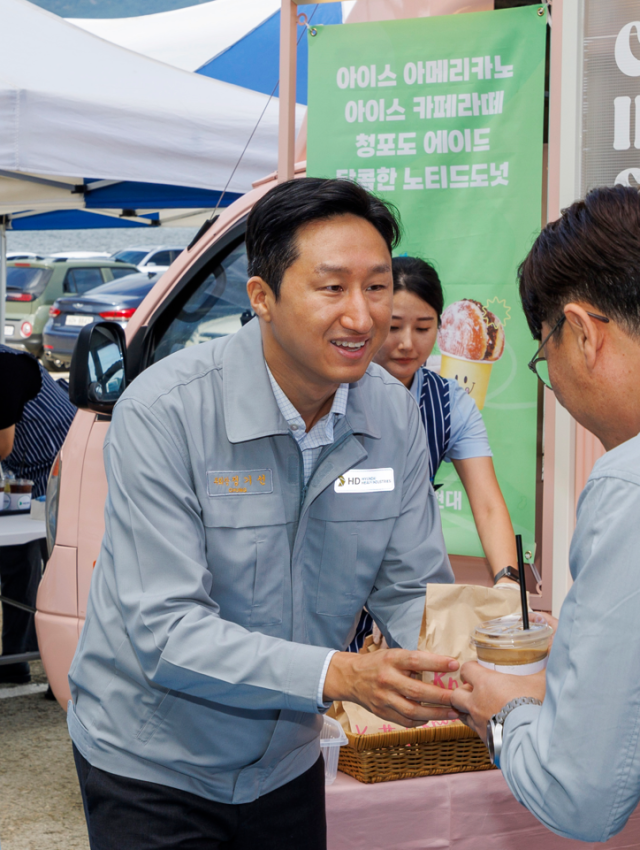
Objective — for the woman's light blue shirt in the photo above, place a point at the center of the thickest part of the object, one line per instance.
(468, 431)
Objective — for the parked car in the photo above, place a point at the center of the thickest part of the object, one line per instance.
(156, 258)
(24, 255)
(116, 301)
(33, 286)
(80, 255)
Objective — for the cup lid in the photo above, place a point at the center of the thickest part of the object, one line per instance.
(508, 632)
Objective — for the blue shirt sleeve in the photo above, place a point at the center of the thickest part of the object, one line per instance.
(468, 432)
(574, 762)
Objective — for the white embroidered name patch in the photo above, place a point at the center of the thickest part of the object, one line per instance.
(365, 481)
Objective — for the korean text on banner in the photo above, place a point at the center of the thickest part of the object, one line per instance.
(443, 116)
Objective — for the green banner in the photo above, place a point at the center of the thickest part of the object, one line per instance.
(443, 116)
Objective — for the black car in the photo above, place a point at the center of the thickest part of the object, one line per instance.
(116, 301)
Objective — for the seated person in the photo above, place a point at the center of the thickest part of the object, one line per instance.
(455, 431)
(35, 415)
(571, 755)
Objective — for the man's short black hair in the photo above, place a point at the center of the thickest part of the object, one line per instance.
(275, 220)
(591, 253)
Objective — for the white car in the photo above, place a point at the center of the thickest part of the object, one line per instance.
(79, 255)
(149, 258)
(24, 255)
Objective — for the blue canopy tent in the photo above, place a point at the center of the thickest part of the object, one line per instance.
(252, 62)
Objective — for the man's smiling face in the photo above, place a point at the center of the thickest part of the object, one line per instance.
(334, 307)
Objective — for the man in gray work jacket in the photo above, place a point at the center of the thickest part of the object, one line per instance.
(262, 488)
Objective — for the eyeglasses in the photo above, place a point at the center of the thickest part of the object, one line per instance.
(539, 365)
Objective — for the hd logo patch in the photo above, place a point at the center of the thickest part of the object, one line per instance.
(365, 481)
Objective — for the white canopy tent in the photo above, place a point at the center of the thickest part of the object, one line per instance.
(74, 104)
(185, 38)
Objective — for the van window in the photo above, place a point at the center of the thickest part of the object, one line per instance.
(161, 258)
(125, 272)
(131, 256)
(214, 309)
(82, 280)
(32, 280)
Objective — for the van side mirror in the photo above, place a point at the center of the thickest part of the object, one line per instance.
(98, 373)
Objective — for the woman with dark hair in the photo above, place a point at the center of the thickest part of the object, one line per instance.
(455, 431)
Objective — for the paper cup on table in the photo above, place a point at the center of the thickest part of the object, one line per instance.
(504, 646)
(472, 375)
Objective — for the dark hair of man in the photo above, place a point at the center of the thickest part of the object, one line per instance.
(411, 274)
(275, 220)
(590, 254)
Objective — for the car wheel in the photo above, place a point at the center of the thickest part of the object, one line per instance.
(53, 365)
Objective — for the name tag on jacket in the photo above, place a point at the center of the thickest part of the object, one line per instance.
(365, 481)
(241, 482)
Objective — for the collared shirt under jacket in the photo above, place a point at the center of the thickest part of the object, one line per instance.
(223, 579)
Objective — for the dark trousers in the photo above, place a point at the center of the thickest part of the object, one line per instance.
(20, 573)
(129, 814)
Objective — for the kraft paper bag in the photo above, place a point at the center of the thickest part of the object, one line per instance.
(452, 611)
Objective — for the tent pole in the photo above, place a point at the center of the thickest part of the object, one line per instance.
(3, 274)
(287, 90)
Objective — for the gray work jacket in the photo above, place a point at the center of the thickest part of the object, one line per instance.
(222, 580)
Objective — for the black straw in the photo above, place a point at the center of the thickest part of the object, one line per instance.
(523, 584)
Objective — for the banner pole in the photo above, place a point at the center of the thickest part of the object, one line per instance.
(287, 91)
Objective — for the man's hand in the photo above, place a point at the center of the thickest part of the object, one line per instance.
(384, 682)
(487, 692)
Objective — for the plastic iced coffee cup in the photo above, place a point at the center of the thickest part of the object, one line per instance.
(503, 645)
(472, 375)
(20, 494)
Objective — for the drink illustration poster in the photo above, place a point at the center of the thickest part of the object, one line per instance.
(443, 117)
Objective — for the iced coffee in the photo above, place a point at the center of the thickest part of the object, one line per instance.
(15, 494)
(503, 645)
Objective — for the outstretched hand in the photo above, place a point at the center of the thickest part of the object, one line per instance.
(385, 682)
(486, 692)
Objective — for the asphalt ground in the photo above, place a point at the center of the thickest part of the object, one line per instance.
(40, 803)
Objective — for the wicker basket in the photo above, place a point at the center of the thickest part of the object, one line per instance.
(413, 752)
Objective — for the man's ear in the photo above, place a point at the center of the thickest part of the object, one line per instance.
(587, 331)
(261, 297)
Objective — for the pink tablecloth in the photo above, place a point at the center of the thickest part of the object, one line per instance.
(465, 811)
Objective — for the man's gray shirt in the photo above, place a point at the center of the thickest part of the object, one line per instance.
(223, 579)
(575, 761)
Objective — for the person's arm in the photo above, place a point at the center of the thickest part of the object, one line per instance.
(6, 441)
(470, 453)
(166, 591)
(573, 762)
(489, 512)
(416, 554)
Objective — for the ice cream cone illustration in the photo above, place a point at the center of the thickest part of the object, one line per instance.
(471, 340)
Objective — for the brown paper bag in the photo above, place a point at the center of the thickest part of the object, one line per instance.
(452, 611)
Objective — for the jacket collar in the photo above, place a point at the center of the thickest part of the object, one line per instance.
(250, 408)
